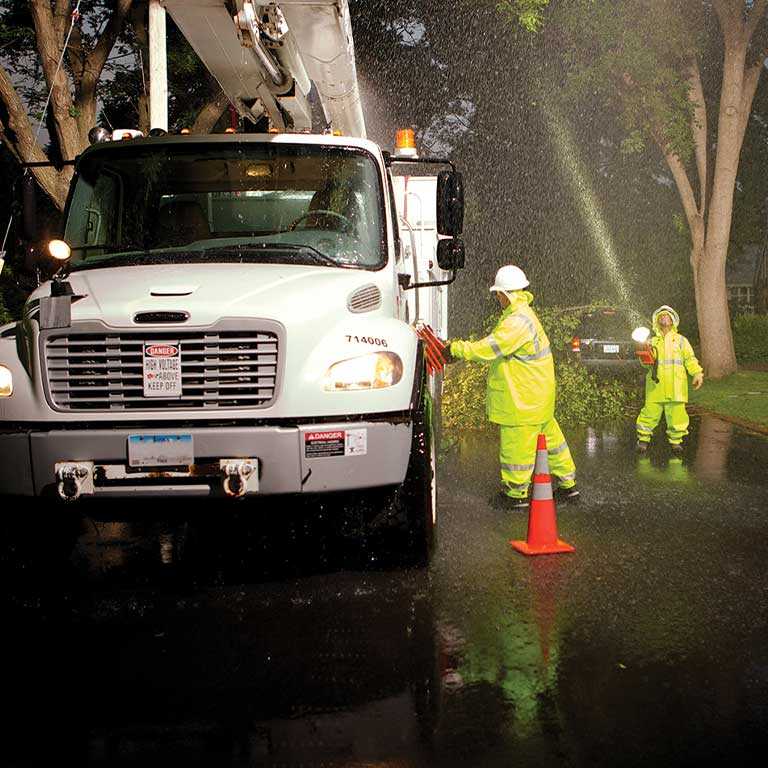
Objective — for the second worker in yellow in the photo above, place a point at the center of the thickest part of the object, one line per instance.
(520, 394)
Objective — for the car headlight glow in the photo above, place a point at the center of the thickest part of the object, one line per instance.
(6, 382)
(372, 371)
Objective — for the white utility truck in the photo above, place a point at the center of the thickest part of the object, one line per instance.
(234, 313)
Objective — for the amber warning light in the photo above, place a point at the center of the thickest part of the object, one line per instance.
(405, 143)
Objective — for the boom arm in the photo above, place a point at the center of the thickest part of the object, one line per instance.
(266, 55)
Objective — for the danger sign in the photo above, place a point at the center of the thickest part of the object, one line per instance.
(337, 442)
(324, 444)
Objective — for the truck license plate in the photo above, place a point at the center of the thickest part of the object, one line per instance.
(611, 349)
(160, 451)
(162, 369)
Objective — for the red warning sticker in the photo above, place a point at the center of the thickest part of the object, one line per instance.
(317, 444)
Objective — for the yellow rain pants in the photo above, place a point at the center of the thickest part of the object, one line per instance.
(675, 416)
(517, 456)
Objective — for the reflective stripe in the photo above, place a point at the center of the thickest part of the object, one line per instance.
(531, 328)
(517, 486)
(569, 476)
(535, 356)
(517, 467)
(641, 428)
(542, 491)
(560, 448)
(671, 362)
(494, 346)
(538, 351)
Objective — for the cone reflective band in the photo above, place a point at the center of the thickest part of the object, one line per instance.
(542, 526)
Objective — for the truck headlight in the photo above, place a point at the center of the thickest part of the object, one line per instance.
(372, 371)
(6, 382)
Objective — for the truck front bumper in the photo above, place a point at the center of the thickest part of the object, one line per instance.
(308, 458)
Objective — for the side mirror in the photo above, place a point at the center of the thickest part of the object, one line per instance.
(450, 253)
(450, 203)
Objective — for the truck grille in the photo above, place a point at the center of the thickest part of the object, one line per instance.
(104, 371)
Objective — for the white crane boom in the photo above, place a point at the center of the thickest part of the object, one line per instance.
(267, 55)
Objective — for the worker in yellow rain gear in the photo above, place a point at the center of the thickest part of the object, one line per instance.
(520, 395)
(666, 384)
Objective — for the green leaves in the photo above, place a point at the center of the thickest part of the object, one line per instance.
(634, 143)
(529, 14)
(583, 397)
(634, 55)
(749, 337)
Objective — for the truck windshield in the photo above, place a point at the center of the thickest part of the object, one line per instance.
(250, 202)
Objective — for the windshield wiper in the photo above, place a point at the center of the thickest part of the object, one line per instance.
(105, 248)
(293, 248)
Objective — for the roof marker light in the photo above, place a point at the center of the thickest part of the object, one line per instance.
(121, 134)
(405, 143)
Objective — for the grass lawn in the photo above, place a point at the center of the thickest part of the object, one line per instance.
(743, 397)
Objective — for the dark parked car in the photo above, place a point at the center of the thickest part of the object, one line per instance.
(603, 339)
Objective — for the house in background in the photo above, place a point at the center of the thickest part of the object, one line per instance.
(741, 279)
(761, 280)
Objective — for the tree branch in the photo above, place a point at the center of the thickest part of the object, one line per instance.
(731, 24)
(22, 143)
(76, 54)
(209, 115)
(98, 56)
(699, 131)
(751, 78)
(62, 15)
(49, 49)
(758, 11)
(684, 188)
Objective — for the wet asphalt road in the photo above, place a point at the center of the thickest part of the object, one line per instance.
(180, 642)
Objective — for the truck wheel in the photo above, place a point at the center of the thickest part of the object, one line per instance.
(416, 499)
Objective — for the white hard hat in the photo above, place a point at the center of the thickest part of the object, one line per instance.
(509, 278)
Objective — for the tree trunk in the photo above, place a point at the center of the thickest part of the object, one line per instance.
(209, 115)
(717, 351)
(20, 139)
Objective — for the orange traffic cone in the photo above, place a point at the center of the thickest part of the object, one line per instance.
(542, 527)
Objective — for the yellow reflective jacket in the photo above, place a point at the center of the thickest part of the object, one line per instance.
(521, 375)
(675, 360)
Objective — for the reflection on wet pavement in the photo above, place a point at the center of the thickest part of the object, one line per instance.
(646, 645)
(243, 641)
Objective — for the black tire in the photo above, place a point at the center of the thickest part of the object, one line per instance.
(415, 502)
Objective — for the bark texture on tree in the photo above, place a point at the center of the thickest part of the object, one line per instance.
(72, 105)
(209, 115)
(19, 136)
(710, 213)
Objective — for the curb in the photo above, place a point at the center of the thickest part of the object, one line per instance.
(698, 411)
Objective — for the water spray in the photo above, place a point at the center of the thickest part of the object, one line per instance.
(577, 176)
